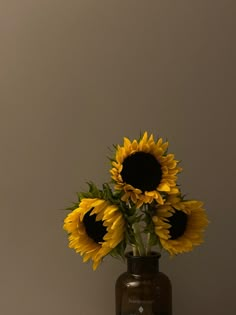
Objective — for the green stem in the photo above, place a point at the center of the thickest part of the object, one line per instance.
(148, 246)
(135, 252)
(148, 239)
(139, 241)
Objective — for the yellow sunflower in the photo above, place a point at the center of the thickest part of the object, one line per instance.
(95, 228)
(143, 170)
(180, 224)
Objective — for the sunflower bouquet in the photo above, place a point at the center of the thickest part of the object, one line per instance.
(141, 207)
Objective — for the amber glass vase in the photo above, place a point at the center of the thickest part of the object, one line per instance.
(143, 289)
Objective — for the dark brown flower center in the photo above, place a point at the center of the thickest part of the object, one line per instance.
(142, 171)
(178, 224)
(94, 229)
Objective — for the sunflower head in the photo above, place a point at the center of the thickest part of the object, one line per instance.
(95, 227)
(143, 170)
(180, 224)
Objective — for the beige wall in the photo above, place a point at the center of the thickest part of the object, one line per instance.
(77, 76)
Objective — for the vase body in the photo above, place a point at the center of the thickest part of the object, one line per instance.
(143, 289)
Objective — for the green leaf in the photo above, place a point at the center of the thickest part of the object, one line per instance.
(119, 250)
(153, 240)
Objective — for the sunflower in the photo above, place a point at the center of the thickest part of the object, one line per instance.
(144, 171)
(180, 224)
(95, 228)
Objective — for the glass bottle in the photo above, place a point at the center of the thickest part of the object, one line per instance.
(143, 290)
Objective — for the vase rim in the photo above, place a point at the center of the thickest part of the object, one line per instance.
(151, 255)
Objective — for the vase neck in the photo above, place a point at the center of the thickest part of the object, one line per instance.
(143, 265)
